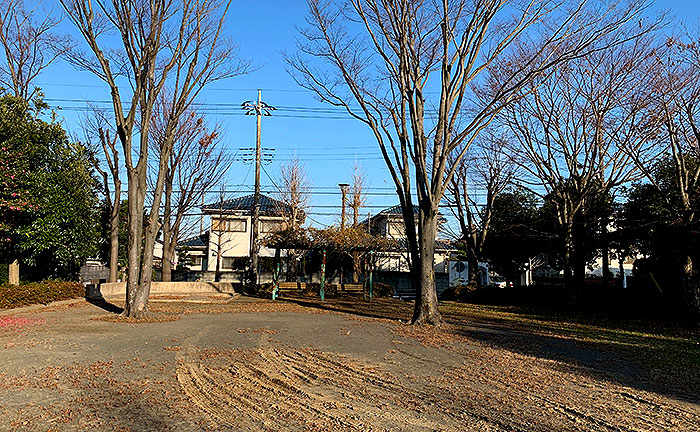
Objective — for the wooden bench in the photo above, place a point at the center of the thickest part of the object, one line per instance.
(291, 287)
(352, 288)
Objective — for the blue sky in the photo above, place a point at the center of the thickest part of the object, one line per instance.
(327, 147)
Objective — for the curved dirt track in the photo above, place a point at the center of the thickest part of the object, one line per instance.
(282, 388)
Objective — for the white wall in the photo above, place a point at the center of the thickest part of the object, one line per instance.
(236, 244)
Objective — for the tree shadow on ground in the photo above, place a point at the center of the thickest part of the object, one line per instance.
(105, 305)
(377, 308)
(650, 362)
(644, 368)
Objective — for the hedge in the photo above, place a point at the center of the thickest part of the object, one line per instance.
(4, 273)
(12, 296)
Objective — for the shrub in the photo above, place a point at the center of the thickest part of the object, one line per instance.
(382, 290)
(12, 296)
(4, 273)
(330, 290)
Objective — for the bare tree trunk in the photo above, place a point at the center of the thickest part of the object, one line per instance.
(114, 239)
(426, 308)
(135, 243)
(167, 270)
(356, 267)
(474, 279)
(152, 226)
(605, 248)
(166, 266)
(579, 262)
(568, 263)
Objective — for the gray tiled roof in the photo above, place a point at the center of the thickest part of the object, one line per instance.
(268, 205)
(396, 210)
(201, 240)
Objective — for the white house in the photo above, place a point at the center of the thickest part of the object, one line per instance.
(389, 223)
(228, 240)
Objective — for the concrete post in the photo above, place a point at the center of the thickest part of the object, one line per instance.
(14, 273)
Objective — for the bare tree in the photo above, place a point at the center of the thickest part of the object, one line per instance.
(165, 43)
(579, 131)
(294, 196)
(382, 60)
(30, 45)
(358, 192)
(196, 166)
(293, 193)
(486, 171)
(358, 199)
(676, 97)
(96, 127)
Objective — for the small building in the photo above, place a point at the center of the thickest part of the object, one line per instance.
(196, 251)
(392, 266)
(94, 272)
(226, 245)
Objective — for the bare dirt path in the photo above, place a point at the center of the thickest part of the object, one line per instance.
(254, 365)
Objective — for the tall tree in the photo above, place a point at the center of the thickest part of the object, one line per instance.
(676, 96)
(516, 233)
(196, 166)
(486, 171)
(48, 195)
(103, 140)
(358, 199)
(294, 196)
(30, 44)
(294, 193)
(414, 72)
(579, 131)
(165, 43)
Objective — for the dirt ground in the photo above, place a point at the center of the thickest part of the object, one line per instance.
(255, 365)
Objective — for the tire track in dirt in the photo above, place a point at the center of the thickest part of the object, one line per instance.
(282, 388)
(585, 402)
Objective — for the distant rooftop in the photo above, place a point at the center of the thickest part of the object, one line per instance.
(201, 240)
(268, 205)
(396, 210)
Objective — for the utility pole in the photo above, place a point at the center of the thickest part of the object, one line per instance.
(258, 109)
(343, 190)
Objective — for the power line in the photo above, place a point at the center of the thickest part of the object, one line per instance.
(226, 89)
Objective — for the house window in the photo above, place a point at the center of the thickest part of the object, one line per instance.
(397, 229)
(236, 225)
(271, 226)
(197, 260)
(232, 225)
(234, 263)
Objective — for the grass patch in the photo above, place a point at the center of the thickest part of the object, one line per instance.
(13, 296)
(661, 343)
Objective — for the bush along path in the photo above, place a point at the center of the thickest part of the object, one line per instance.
(14, 296)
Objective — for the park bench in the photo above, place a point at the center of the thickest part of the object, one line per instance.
(289, 287)
(352, 288)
